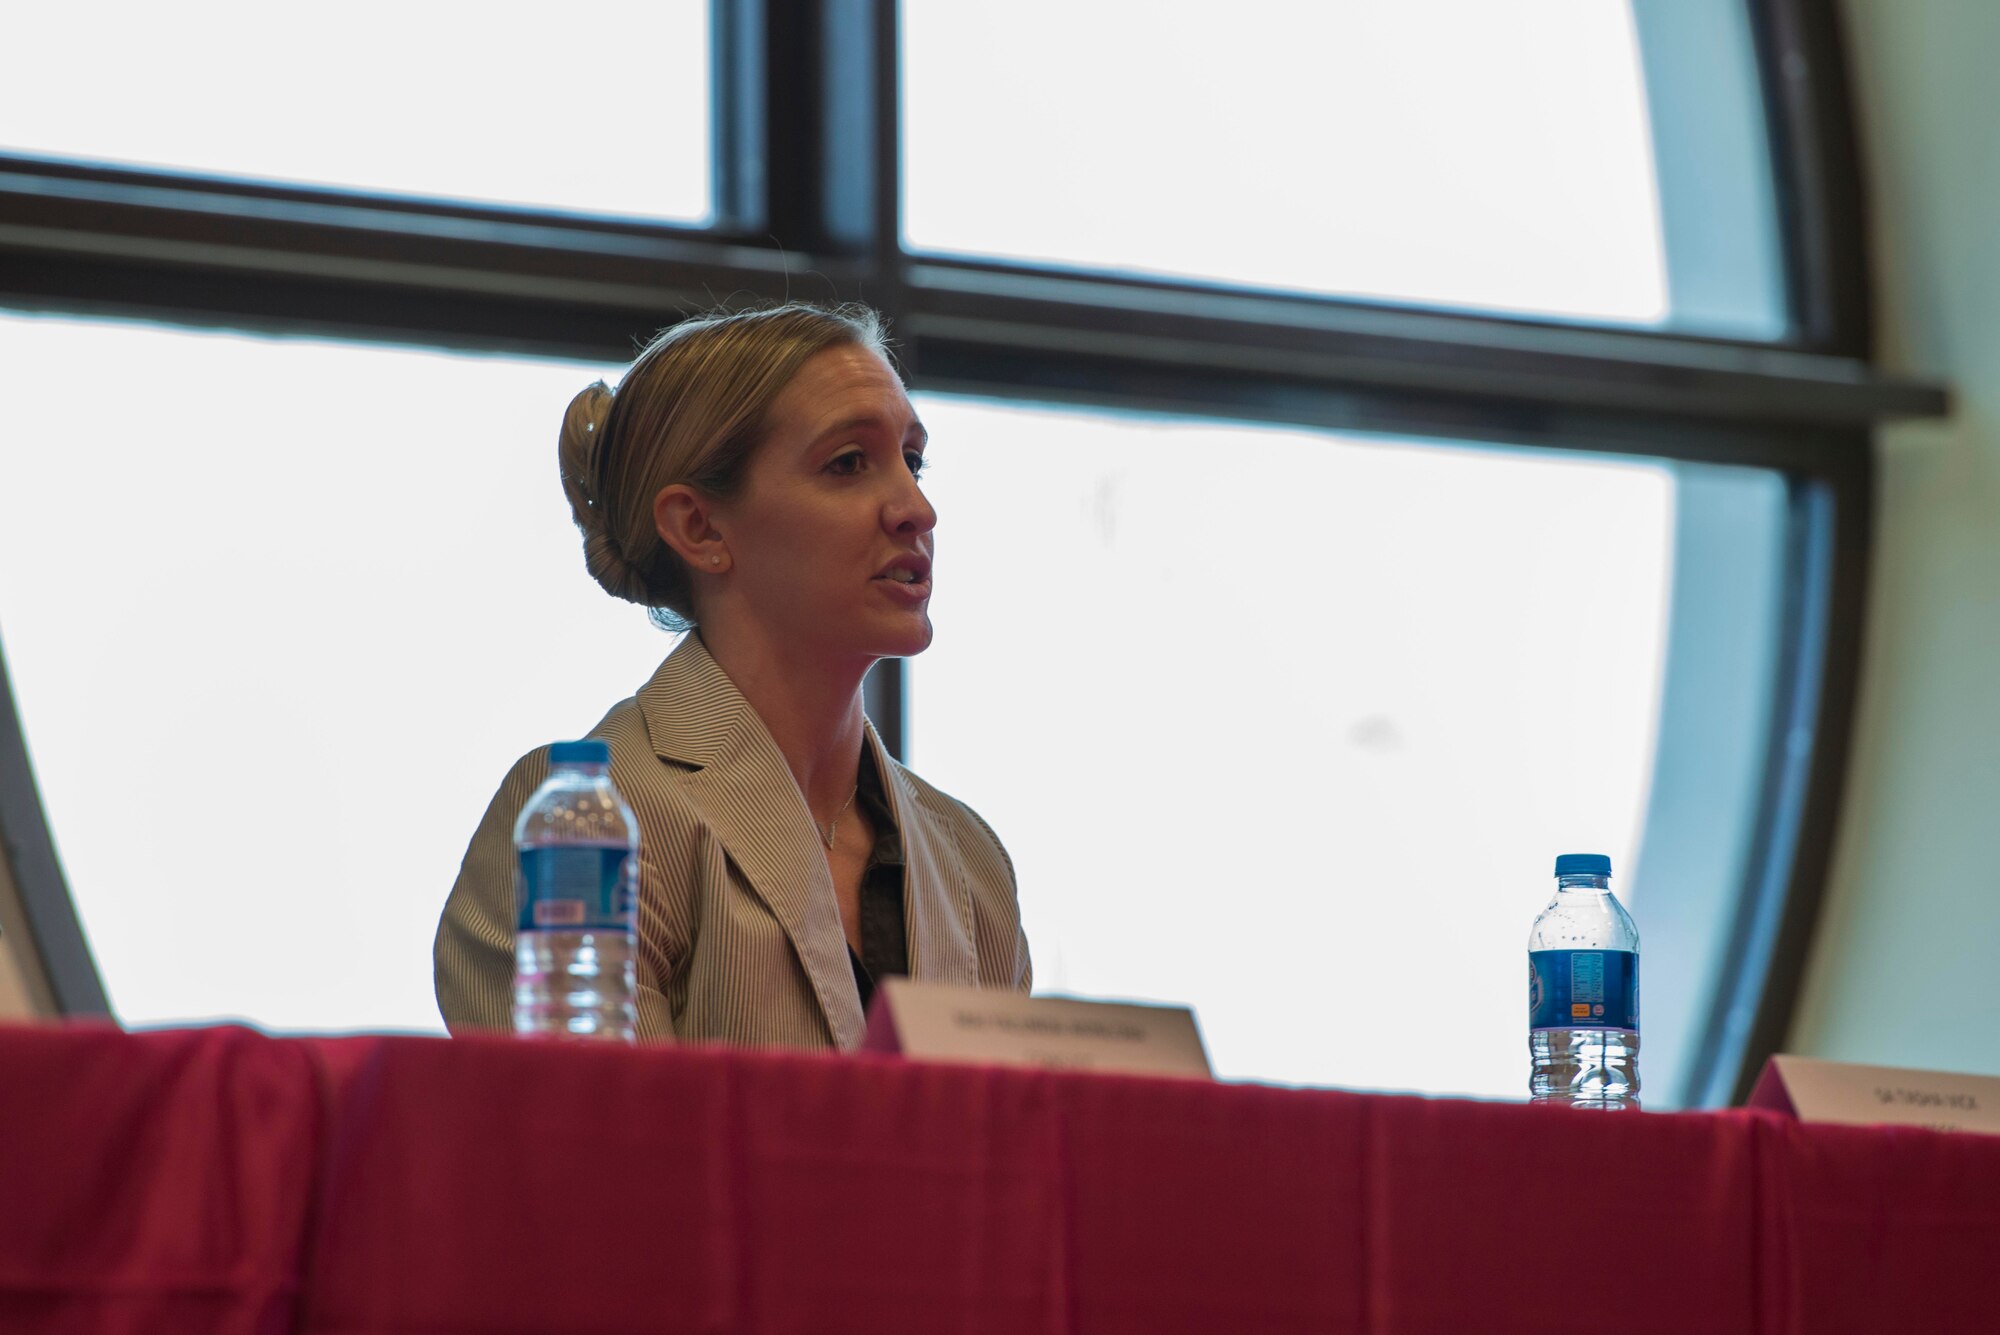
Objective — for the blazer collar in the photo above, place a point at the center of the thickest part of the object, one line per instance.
(745, 793)
(937, 900)
(693, 711)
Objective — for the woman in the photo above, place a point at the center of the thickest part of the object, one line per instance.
(754, 478)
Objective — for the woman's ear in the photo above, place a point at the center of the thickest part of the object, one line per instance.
(683, 518)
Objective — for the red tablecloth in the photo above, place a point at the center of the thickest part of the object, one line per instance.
(221, 1181)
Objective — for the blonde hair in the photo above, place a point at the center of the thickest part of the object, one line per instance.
(691, 409)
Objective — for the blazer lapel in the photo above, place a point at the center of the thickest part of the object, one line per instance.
(745, 793)
(937, 901)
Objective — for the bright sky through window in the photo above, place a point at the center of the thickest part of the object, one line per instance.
(1457, 152)
(278, 616)
(1289, 727)
(596, 106)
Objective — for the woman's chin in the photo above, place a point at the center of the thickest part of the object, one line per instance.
(907, 641)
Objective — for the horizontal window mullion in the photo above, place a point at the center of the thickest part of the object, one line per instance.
(1190, 330)
(53, 227)
(946, 365)
(25, 179)
(537, 272)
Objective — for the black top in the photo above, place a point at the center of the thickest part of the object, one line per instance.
(885, 946)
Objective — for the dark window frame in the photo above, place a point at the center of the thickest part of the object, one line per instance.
(805, 135)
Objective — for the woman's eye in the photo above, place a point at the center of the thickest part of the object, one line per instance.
(845, 463)
(916, 462)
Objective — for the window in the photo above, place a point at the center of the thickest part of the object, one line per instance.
(271, 677)
(1518, 158)
(1510, 319)
(1290, 727)
(599, 107)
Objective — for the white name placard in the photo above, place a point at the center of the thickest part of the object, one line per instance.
(936, 1022)
(1822, 1091)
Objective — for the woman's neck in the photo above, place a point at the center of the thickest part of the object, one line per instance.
(811, 709)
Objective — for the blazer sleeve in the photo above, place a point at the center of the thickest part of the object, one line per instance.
(1019, 972)
(472, 959)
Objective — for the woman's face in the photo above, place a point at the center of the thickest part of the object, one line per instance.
(830, 537)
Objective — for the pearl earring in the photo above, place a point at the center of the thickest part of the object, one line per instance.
(715, 560)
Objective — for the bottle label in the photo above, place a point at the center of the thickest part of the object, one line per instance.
(578, 889)
(1583, 989)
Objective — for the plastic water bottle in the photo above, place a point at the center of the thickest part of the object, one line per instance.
(1583, 992)
(577, 848)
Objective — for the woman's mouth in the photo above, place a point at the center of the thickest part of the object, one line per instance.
(908, 578)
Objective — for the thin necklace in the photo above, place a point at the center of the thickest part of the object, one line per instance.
(834, 824)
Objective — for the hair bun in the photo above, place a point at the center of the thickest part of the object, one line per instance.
(580, 455)
(581, 449)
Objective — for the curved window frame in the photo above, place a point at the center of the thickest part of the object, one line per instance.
(806, 139)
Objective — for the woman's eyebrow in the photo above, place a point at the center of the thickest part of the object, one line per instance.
(871, 422)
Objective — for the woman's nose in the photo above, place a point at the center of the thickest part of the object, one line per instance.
(909, 510)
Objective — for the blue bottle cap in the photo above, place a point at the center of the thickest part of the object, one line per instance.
(1582, 864)
(589, 752)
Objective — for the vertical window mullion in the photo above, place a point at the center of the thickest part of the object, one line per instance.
(737, 114)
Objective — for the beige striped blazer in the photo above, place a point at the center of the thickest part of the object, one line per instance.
(739, 931)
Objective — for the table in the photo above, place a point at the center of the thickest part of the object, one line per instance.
(222, 1181)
